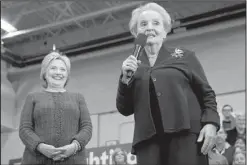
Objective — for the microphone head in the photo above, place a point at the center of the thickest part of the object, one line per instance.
(141, 39)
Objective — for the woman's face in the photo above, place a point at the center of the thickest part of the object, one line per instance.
(151, 24)
(240, 125)
(240, 144)
(56, 74)
(119, 158)
(239, 159)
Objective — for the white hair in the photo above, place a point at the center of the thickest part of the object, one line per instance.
(149, 6)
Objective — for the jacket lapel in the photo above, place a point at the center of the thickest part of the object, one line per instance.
(164, 54)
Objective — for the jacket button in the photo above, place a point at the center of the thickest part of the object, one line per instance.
(158, 94)
(154, 79)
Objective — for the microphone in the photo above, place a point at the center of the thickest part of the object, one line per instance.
(140, 42)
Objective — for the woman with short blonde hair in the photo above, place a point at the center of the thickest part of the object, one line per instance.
(55, 124)
(48, 59)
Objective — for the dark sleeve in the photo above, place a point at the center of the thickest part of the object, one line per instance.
(26, 129)
(85, 128)
(204, 93)
(231, 136)
(124, 100)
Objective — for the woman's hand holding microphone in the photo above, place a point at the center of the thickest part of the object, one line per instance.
(129, 67)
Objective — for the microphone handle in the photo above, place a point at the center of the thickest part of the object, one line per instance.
(130, 73)
(136, 53)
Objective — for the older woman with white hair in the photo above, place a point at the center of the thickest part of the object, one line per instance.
(174, 106)
(55, 124)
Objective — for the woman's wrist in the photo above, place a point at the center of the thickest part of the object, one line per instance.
(40, 146)
(77, 146)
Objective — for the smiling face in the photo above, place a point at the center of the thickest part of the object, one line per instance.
(56, 74)
(151, 24)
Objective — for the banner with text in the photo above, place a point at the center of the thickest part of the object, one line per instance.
(99, 155)
(103, 155)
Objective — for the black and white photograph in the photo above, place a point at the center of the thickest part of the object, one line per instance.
(123, 82)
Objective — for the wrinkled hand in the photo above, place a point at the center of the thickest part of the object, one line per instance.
(208, 133)
(68, 151)
(49, 150)
(130, 64)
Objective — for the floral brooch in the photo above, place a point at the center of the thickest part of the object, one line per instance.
(178, 53)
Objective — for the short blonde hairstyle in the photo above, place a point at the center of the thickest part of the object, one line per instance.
(47, 61)
(149, 6)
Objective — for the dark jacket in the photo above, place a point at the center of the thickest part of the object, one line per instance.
(229, 152)
(233, 136)
(229, 124)
(186, 100)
